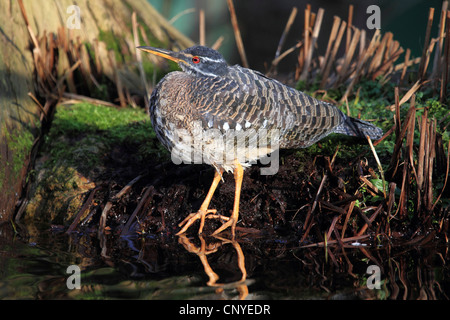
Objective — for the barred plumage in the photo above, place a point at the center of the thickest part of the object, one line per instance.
(212, 97)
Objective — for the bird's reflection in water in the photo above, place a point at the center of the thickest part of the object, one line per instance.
(205, 249)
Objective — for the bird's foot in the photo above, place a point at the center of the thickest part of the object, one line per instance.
(231, 222)
(202, 215)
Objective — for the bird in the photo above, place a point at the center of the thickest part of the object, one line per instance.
(215, 101)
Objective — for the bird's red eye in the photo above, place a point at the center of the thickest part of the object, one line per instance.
(196, 59)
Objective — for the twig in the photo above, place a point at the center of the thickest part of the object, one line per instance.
(347, 217)
(446, 178)
(286, 31)
(370, 220)
(218, 43)
(136, 211)
(67, 74)
(104, 216)
(379, 165)
(400, 134)
(277, 60)
(316, 198)
(139, 59)
(30, 31)
(179, 15)
(126, 188)
(85, 206)
(79, 97)
(39, 105)
(349, 239)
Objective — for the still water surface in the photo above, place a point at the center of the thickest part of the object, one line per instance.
(33, 265)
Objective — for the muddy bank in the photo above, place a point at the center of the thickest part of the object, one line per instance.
(98, 180)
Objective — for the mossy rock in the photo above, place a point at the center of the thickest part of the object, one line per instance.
(86, 146)
(57, 195)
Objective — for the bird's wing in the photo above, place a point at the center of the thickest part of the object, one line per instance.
(247, 99)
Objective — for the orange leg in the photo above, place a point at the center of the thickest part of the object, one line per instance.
(203, 211)
(238, 175)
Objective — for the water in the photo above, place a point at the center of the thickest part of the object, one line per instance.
(34, 262)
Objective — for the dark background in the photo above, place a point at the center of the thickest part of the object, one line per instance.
(262, 23)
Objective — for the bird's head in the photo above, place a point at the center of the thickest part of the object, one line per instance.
(198, 60)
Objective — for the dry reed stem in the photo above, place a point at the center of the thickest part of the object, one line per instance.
(277, 60)
(408, 53)
(347, 217)
(410, 137)
(286, 30)
(237, 34)
(333, 55)
(349, 27)
(431, 157)
(369, 220)
(380, 168)
(179, 15)
(421, 155)
(348, 57)
(80, 213)
(445, 180)
(437, 63)
(138, 56)
(444, 77)
(331, 40)
(408, 95)
(218, 43)
(308, 220)
(399, 138)
(364, 55)
(202, 28)
(315, 35)
(31, 95)
(306, 31)
(147, 193)
(422, 67)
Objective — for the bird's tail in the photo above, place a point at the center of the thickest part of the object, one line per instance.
(359, 128)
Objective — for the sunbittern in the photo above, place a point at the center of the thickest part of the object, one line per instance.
(211, 96)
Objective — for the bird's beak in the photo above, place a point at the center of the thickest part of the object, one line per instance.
(167, 54)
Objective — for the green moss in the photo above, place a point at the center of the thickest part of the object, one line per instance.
(19, 143)
(78, 150)
(82, 133)
(113, 42)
